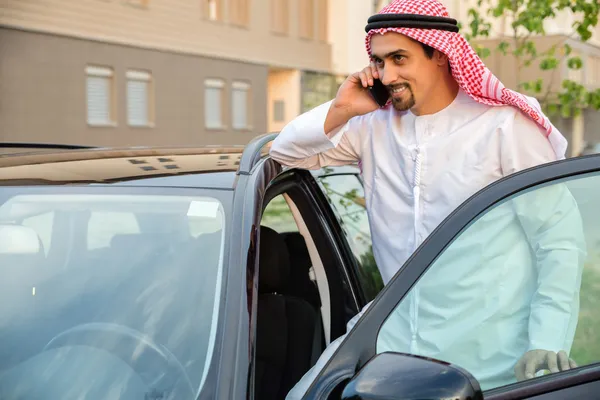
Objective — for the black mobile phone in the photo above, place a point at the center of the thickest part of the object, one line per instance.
(379, 92)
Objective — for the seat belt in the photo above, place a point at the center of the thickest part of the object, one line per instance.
(317, 339)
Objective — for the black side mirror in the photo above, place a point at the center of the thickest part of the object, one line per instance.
(409, 377)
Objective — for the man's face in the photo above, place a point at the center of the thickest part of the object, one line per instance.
(405, 69)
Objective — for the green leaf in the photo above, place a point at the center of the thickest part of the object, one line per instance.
(539, 84)
(503, 47)
(548, 64)
(484, 52)
(552, 109)
(568, 49)
(575, 63)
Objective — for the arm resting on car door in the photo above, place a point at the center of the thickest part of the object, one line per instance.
(303, 143)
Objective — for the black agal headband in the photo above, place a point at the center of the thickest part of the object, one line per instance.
(379, 21)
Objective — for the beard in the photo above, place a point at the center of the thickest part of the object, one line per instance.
(404, 104)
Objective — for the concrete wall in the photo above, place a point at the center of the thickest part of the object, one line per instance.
(179, 25)
(43, 92)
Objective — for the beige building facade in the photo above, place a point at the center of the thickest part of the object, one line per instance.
(156, 72)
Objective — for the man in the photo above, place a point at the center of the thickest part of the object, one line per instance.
(449, 129)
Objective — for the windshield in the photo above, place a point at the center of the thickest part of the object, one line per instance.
(106, 293)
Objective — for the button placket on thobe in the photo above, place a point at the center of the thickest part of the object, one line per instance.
(422, 128)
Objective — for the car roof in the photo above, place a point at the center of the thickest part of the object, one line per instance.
(194, 166)
(209, 166)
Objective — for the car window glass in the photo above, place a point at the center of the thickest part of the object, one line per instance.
(346, 194)
(516, 294)
(153, 294)
(42, 224)
(278, 216)
(104, 225)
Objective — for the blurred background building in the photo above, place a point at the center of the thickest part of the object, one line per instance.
(202, 72)
(176, 72)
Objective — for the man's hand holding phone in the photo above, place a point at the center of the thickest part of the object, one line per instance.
(353, 98)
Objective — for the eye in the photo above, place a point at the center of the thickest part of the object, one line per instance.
(378, 62)
(398, 58)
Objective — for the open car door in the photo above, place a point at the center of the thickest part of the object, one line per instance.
(507, 285)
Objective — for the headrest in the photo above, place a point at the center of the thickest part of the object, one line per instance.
(16, 239)
(297, 246)
(274, 262)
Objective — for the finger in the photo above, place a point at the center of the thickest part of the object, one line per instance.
(520, 370)
(531, 367)
(552, 361)
(573, 364)
(369, 74)
(374, 70)
(363, 78)
(563, 361)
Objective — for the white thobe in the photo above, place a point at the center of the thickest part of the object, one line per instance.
(418, 169)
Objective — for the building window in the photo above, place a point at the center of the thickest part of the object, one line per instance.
(212, 9)
(139, 98)
(100, 96)
(241, 105)
(213, 103)
(317, 88)
(239, 12)
(306, 19)
(279, 111)
(280, 16)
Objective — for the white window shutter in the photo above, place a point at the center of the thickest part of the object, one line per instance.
(138, 98)
(213, 103)
(98, 100)
(137, 103)
(240, 105)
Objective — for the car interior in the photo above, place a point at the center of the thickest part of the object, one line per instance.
(72, 287)
(303, 301)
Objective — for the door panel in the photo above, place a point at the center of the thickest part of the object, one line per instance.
(515, 288)
(514, 269)
(584, 391)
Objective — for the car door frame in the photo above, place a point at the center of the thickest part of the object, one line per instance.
(237, 348)
(354, 171)
(359, 346)
(304, 183)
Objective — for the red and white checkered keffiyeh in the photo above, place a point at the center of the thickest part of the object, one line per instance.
(467, 68)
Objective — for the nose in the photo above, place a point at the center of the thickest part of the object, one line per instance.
(386, 76)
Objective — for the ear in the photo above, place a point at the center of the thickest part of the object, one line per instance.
(440, 59)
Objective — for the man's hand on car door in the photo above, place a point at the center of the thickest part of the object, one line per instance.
(539, 360)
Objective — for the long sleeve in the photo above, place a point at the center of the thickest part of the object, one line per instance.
(552, 223)
(303, 143)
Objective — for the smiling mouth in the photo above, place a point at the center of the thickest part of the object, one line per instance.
(398, 90)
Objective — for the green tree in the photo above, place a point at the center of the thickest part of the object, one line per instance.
(528, 18)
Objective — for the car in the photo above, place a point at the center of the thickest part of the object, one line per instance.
(215, 273)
